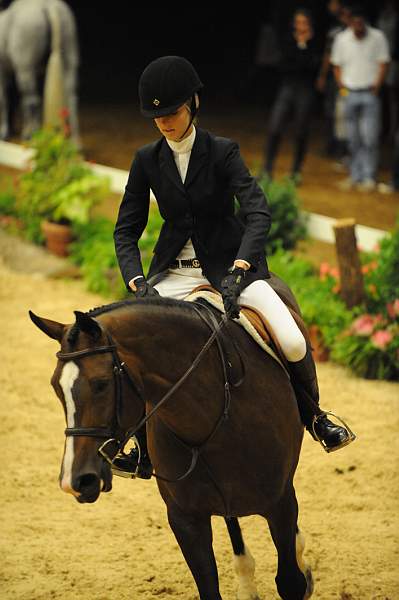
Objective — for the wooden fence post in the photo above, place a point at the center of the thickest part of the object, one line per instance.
(352, 286)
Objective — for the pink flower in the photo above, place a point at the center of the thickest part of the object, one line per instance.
(369, 267)
(380, 339)
(324, 268)
(324, 271)
(334, 272)
(365, 324)
(393, 309)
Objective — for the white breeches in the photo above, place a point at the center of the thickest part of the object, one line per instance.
(259, 295)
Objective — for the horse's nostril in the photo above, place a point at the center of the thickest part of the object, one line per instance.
(89, 482)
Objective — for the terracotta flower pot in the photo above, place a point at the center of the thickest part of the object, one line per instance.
(57, 236)
(320, 352)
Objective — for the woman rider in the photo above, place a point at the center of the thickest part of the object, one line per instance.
(196, 177)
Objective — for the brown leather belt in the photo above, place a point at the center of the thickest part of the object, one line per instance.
(185, 263)
(365, 89)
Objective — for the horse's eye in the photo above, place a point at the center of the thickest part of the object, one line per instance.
(99, 385)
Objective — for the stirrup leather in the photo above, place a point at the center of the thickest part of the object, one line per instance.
(351, 435)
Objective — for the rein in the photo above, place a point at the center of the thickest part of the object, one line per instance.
(120, 368)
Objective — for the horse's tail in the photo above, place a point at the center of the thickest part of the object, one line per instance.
(54, 93)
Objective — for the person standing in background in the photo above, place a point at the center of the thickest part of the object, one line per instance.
(388, 23)
(336, 144)
(360, 59)
(299, 68)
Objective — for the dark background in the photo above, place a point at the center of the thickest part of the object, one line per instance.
(118, 39)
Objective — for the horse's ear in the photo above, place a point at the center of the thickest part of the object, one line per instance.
(88, 325)
(51, 328)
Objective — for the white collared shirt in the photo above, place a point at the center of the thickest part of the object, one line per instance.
(181, 153)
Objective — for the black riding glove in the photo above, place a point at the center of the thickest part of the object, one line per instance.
(144, 288)
(232, 286)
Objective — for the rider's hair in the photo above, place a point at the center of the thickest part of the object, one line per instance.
(305, 12)
(358, 11)
(189, 104)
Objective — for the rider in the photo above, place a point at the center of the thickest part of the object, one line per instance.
(196, 177)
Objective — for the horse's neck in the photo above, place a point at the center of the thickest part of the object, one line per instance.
(163, 338)
(161, 343)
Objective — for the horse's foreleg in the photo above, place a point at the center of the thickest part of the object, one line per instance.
(71, 99)
(30, 100)
(194, 536)
(244, 564)
(4, 108)
(294, 578)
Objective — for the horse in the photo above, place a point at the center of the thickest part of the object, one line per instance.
(38, 40)
(221, 442)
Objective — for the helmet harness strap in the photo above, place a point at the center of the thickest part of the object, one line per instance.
(194, 106)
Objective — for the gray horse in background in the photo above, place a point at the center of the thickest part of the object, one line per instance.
(38, 43)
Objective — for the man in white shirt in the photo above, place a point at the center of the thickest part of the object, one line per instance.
(360, 58)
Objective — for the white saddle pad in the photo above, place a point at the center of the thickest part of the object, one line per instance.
(217, 302)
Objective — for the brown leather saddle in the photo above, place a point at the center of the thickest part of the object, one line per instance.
(259, 321)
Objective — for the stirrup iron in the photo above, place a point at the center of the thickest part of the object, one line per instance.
(121, 454)
(351, 435)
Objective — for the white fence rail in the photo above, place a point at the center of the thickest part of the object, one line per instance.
(320, 227)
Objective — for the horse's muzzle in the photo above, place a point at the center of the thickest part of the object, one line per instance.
(90, 485)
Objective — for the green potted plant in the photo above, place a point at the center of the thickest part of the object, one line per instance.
(58, 191)
(288, 224)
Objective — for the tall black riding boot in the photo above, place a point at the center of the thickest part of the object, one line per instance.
(137, 463)
(331, 436)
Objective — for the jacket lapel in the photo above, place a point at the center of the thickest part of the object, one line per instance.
(198, 156)
(168, 165)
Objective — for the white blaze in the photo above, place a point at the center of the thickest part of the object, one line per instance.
(69, 375)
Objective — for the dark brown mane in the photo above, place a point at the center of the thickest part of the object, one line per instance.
(128, 303)
(149, 301)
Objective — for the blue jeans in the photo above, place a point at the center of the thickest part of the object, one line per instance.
(363, 120)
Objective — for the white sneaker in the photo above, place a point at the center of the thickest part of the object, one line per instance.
(346, 184)
(368, 185)
(385, 188)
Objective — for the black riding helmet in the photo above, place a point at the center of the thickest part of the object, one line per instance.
(167, 83)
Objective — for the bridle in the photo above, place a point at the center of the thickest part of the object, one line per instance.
(119, 369)
(114, 434)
